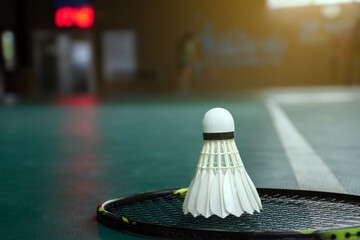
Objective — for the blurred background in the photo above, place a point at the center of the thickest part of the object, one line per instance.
(109, 48)
(104, 98)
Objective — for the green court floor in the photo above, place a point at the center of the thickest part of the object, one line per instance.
(58, 162)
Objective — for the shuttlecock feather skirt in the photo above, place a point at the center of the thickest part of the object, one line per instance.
(221, 185)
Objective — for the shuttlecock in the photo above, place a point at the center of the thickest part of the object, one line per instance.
(221, 185)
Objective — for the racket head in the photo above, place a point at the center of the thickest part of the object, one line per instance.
(286, 214)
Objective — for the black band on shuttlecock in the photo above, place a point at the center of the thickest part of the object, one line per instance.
(218, 136)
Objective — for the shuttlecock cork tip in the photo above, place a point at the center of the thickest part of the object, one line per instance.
(218, 120)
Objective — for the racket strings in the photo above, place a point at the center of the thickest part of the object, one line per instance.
(280, 213)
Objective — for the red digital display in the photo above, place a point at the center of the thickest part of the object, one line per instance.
(82, 17)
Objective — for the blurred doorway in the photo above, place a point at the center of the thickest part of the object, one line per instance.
(64, 63)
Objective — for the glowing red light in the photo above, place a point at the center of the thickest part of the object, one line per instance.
(64, 17)
(80, 17)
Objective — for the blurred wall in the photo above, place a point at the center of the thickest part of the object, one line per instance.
(240, 44)
(244, 44)
(8, 14)
(9, 21)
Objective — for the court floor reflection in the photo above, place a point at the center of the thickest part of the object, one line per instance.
(80, 172)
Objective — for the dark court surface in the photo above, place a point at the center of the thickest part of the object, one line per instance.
(57, 163)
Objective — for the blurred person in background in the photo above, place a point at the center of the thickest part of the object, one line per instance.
(2, 67)
(188, 54)
(2, 80)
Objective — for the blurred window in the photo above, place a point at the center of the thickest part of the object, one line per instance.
(119, 54)
(8, 49)
(300, 3)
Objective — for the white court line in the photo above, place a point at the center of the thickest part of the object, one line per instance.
(310, 170)
(316, 97)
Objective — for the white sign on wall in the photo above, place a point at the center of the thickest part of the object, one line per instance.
(119, 54)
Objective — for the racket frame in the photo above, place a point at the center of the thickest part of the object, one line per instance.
(123, 224)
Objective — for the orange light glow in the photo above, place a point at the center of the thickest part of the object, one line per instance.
(84, 17)
(80, 17)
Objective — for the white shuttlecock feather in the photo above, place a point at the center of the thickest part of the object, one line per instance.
(221, 185)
